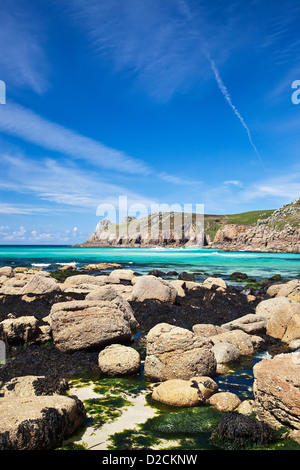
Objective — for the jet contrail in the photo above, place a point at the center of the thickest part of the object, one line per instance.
(226, 95)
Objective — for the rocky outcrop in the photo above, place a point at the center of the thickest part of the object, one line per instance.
(163, 228)
(277, 390)
(278, 233)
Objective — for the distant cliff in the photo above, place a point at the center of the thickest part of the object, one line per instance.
(269, 231)
(158, 229)
(280, 232)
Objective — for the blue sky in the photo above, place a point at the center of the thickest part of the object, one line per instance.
(162, 101)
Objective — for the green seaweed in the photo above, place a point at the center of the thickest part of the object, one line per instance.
(103, 410)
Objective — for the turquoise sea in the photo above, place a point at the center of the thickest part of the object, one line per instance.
(203, 261)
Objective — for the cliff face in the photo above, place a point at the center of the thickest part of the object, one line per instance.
(162, 229)
(268, 231)
(278, 233)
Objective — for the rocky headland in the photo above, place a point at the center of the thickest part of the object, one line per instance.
(261, 231)
(184, 333)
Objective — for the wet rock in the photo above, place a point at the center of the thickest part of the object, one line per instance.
(186, 277)
(225, 401)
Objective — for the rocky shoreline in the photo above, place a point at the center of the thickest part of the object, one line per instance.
(183, 333)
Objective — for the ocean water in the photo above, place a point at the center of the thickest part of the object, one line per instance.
(203, 262)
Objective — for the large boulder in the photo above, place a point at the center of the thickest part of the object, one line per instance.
(118, 360)
(151, 287)
(90, 324)
(285, 323)
(39, 422)
(225, 352)
(268, 307)
(113, 295)
(177, 353)
(121, 275)
(40, 283)
(277, 390)
(185, 393)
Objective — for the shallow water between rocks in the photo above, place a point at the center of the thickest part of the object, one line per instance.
(121, 414)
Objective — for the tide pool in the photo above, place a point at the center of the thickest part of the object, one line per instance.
(202, 261)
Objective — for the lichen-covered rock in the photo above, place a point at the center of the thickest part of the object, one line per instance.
(177, 353)
(119, 360)
(38, 423)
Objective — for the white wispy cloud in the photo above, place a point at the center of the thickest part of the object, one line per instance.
(62, 183)
(23, 61)
(24, 123)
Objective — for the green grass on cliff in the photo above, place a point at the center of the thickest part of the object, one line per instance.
(212, 223)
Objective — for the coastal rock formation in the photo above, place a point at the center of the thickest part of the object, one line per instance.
(163, 228)
(39, 422)
(177, 353)
(278, 233)
(277, 390)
